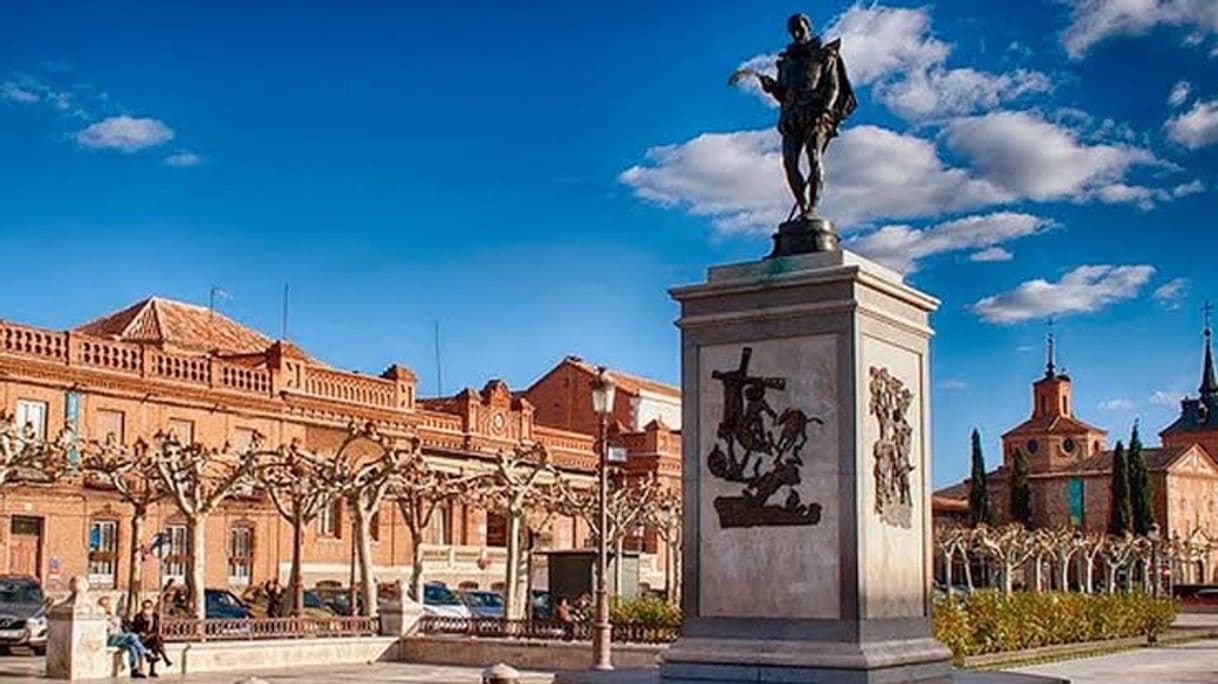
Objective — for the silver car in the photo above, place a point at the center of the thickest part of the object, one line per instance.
(23, 618)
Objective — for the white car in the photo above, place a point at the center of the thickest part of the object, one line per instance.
(440, 600)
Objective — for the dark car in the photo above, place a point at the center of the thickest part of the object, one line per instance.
(337, 599)
(23, 620)
(542, 610)
(482, 603)
(224, 605)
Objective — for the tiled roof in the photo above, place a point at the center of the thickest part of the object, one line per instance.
(179, 325)
(1051, 424)
(631, 384)
(1157, 458)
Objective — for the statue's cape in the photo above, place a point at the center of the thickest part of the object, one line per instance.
(846, 101)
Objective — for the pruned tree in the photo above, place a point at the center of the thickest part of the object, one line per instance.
(130, 472)
(1011, 547)
(1091, 549)
(24, 456)
(365, 482)
(1063, 543)
(978, 492)
(420, 490)
(511, 490)
(300, 485)
(665, 517)
(1119, 552)
(628, 504)
(1120, 514)
(199, 479)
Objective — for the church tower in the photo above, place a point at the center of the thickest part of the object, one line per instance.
(1052, 438)
(1198, 421)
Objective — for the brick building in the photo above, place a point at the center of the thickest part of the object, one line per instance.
(1070, 466)
(162, 364)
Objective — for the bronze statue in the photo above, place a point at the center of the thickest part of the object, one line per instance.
(815, 97)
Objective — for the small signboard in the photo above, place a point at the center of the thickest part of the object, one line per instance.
(617, 454)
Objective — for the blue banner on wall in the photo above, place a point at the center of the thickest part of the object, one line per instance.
(72, 422)
(1076, 501)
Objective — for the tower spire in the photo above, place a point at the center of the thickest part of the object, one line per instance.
(1050, 352)
(1209, 382)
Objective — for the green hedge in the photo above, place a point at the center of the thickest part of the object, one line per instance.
(648, 612)
(989, 622)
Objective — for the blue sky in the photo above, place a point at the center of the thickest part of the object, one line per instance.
(534, 179)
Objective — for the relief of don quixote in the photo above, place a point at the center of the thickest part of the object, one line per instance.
(759, 447)
(890, 402)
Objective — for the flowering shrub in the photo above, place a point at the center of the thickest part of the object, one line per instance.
(989, 622)
(649, 612)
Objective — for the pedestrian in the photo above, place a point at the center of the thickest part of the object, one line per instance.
(274, 597)
(123, 640)
(562, 613)
(147, 626)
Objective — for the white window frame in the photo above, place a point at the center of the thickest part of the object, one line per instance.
(187, 438)
(122, 424)
(103, 574)
(33, 412)
(178, 548)
(240, 566)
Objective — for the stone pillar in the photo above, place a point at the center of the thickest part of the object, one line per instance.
(806, 442)
(400, 617)
(76, 637)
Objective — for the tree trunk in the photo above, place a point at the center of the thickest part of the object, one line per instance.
(196, 565)
(295, 578)
(134, 566)
(1064, 579)
(1008, 577)
(363, 546)
(416, 565)
(1111, 578)
(948, 555)
(619, 548)
(968, 570)
(512, 589)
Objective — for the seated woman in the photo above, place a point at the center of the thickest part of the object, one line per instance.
(121, 639)
(147, 626)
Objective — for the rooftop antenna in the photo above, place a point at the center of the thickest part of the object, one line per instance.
(284, 332)
(439, 367)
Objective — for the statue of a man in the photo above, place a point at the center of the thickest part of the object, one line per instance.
(815, 96)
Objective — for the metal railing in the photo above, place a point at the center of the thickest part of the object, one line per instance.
(247, 629)
(626, 632)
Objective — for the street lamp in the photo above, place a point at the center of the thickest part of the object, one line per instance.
(1152, 533)
(603, 393)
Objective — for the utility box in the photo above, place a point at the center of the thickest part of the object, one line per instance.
(572, 573)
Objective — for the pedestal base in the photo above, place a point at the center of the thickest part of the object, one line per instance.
(804, 236)
(750, 660)
(652, 676)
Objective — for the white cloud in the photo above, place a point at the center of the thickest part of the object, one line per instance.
(1085, 289)
(952, 384)
(1172, 293)
(893, 49)
(1179, 94)
(736, 179)
(1168, 398)
(1095, 20)
(125, 133)
(991, 254)
(1030, 157)
(1117, 405)
(1196, 128)
(16, 93)
(183, 159)
(900, 247)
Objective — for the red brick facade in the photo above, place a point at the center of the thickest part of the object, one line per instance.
(162, 364)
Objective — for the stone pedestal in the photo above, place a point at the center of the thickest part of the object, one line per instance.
(76, 638)
(806, 475)
(400, 617)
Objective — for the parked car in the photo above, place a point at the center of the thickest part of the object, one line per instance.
(336, 599)
(224, 604)
(440, 600)
(316, 606)
(23, 620)
(483, 603)
(540, 601)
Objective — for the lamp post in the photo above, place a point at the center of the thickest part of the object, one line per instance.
(603, 393)
(1152, 534)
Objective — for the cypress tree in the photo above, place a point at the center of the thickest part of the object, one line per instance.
(979, 491)
(1140, 488)
(1021, 493)
(1120, 511)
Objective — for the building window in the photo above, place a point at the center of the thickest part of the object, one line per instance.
(103, 553)
(184, 430)
(175, 560)
(374, 526)
(240, 555)
(496, 530)
(329, 521)
(439, 529)
(33, 414)
(1076, 501)
(109, 425)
